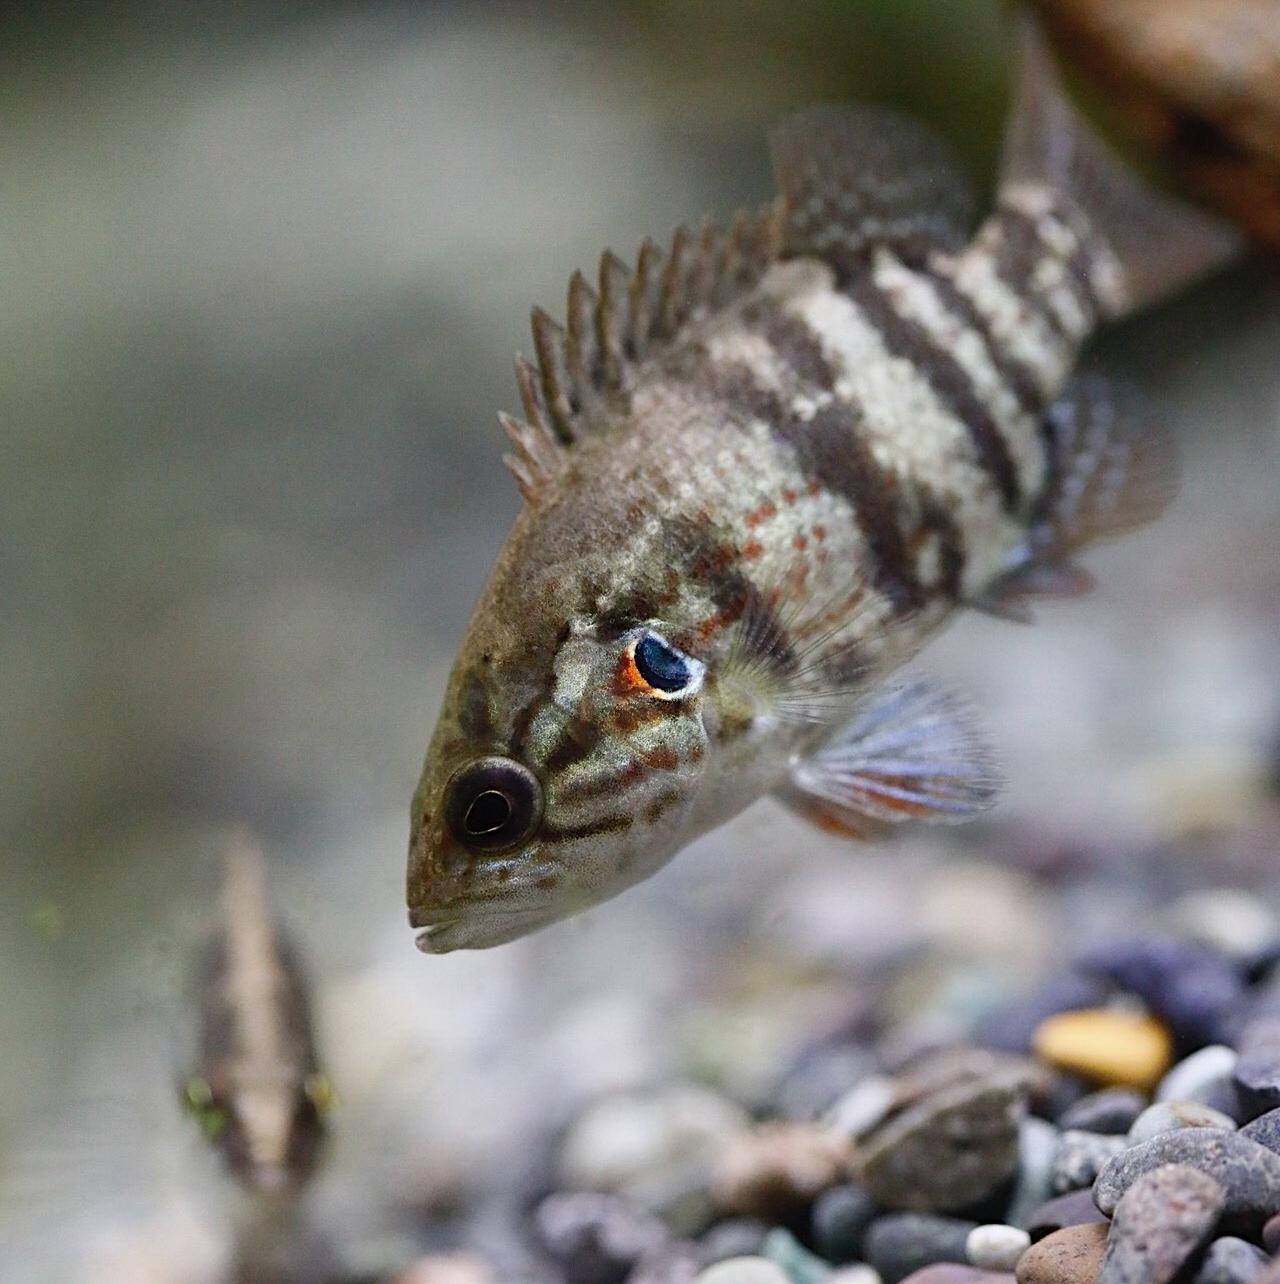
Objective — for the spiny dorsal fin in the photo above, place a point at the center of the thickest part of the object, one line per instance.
(854, 177)
(585, 368)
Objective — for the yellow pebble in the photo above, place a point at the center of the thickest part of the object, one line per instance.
(1106, 1046)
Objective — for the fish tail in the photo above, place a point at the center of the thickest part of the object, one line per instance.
(1158, 244)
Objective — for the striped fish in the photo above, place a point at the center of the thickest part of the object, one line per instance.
(258, 1096)
(760, 470)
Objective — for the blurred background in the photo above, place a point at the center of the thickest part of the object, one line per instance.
(264, 268)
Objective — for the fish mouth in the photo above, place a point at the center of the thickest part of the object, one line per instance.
(475, 925)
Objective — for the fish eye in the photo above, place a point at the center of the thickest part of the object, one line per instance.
(661, 665)
(493, 804)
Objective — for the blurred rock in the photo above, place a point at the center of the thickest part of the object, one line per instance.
(1231, 1261)
(745, 1270)
(1257, 1072)
(801, 1266)
(839, 1220)
(900, 1243)
(1037, 1145)
(456, 1268)
(1106, 1045)
(596, 1239)
(1111, 1111)
(1075, 1209)
(1199, 1077)
(776, 1169)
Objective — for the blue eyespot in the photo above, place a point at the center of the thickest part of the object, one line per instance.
(661, 665)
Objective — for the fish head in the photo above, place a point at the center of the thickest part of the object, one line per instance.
(566, 761)
(268, 1131)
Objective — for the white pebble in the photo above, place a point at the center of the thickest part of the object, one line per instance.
(1168, 1116)
(996, 1247)
(1194, 1073)
(859, 1274)
(744, 1270)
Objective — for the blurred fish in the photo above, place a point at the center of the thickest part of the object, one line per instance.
(759, 471)
(258, 1095)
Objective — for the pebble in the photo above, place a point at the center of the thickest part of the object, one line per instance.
(1075, 1209)
(446, 1268)
(1265, 1130)
(596, 1239)
(1257, 1073)
(864, 1106)
(859, 1274)
(655, 1149)
(1166, 1116)
(1271, 1234)
(679, 1262)
(1106, 1045)
(1230, 1261)
(737, 1237)
(1232, 921)
(953, 1273)
(1072, 1255)
(1161, 1220)
(1111, 1111)
(1194, 1077)
(839, 1220)
(1188, 984)
(996, 1247)
(1037, 1144)
(900, 1243)
(744, 1270)
(1079, 1158)
(775, 1169)
(904, 1167)
(1248, 1173)
(801, 1266)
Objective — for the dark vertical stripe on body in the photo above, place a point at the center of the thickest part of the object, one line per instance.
(1017, 377)
(798, 346)
(951, 384)
(1021, 250)
(830, 451)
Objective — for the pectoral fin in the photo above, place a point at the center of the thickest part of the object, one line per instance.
(912, 753)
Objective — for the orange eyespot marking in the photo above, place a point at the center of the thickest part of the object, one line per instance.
(627, 679)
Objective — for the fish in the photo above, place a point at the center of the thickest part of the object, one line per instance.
(258, 1094)
(760, 469)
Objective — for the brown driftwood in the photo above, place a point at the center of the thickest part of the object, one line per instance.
(1198, 81)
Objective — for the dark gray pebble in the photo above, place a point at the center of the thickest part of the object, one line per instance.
(900, 1243)
(1258, 1069)
(1159, 1223)
(1191, 985)
(1111, 1111)
(1075, 1209)
(1079, 1158)
(596, 1239)
(1230, 1261)
(1248, 1173)
(737, 1237)
(839, 1220)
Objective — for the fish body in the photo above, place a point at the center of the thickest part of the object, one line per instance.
(760, 471)
(258, 1094)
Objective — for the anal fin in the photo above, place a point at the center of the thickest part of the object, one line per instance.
(912, 753)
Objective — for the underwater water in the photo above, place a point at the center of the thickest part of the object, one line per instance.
(264, 275)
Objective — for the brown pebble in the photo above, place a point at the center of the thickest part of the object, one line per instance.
(776, 1168)
(1161, 1220)
(447, 1268)
(1069, 1256)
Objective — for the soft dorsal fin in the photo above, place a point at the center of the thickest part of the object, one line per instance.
(584, 369)
(855, 177)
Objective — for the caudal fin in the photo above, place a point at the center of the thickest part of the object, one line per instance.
(1161, 244)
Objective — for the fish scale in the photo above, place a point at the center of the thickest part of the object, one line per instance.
(760, 470)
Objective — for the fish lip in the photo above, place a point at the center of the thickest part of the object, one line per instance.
(486, 925)
(455, 911)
